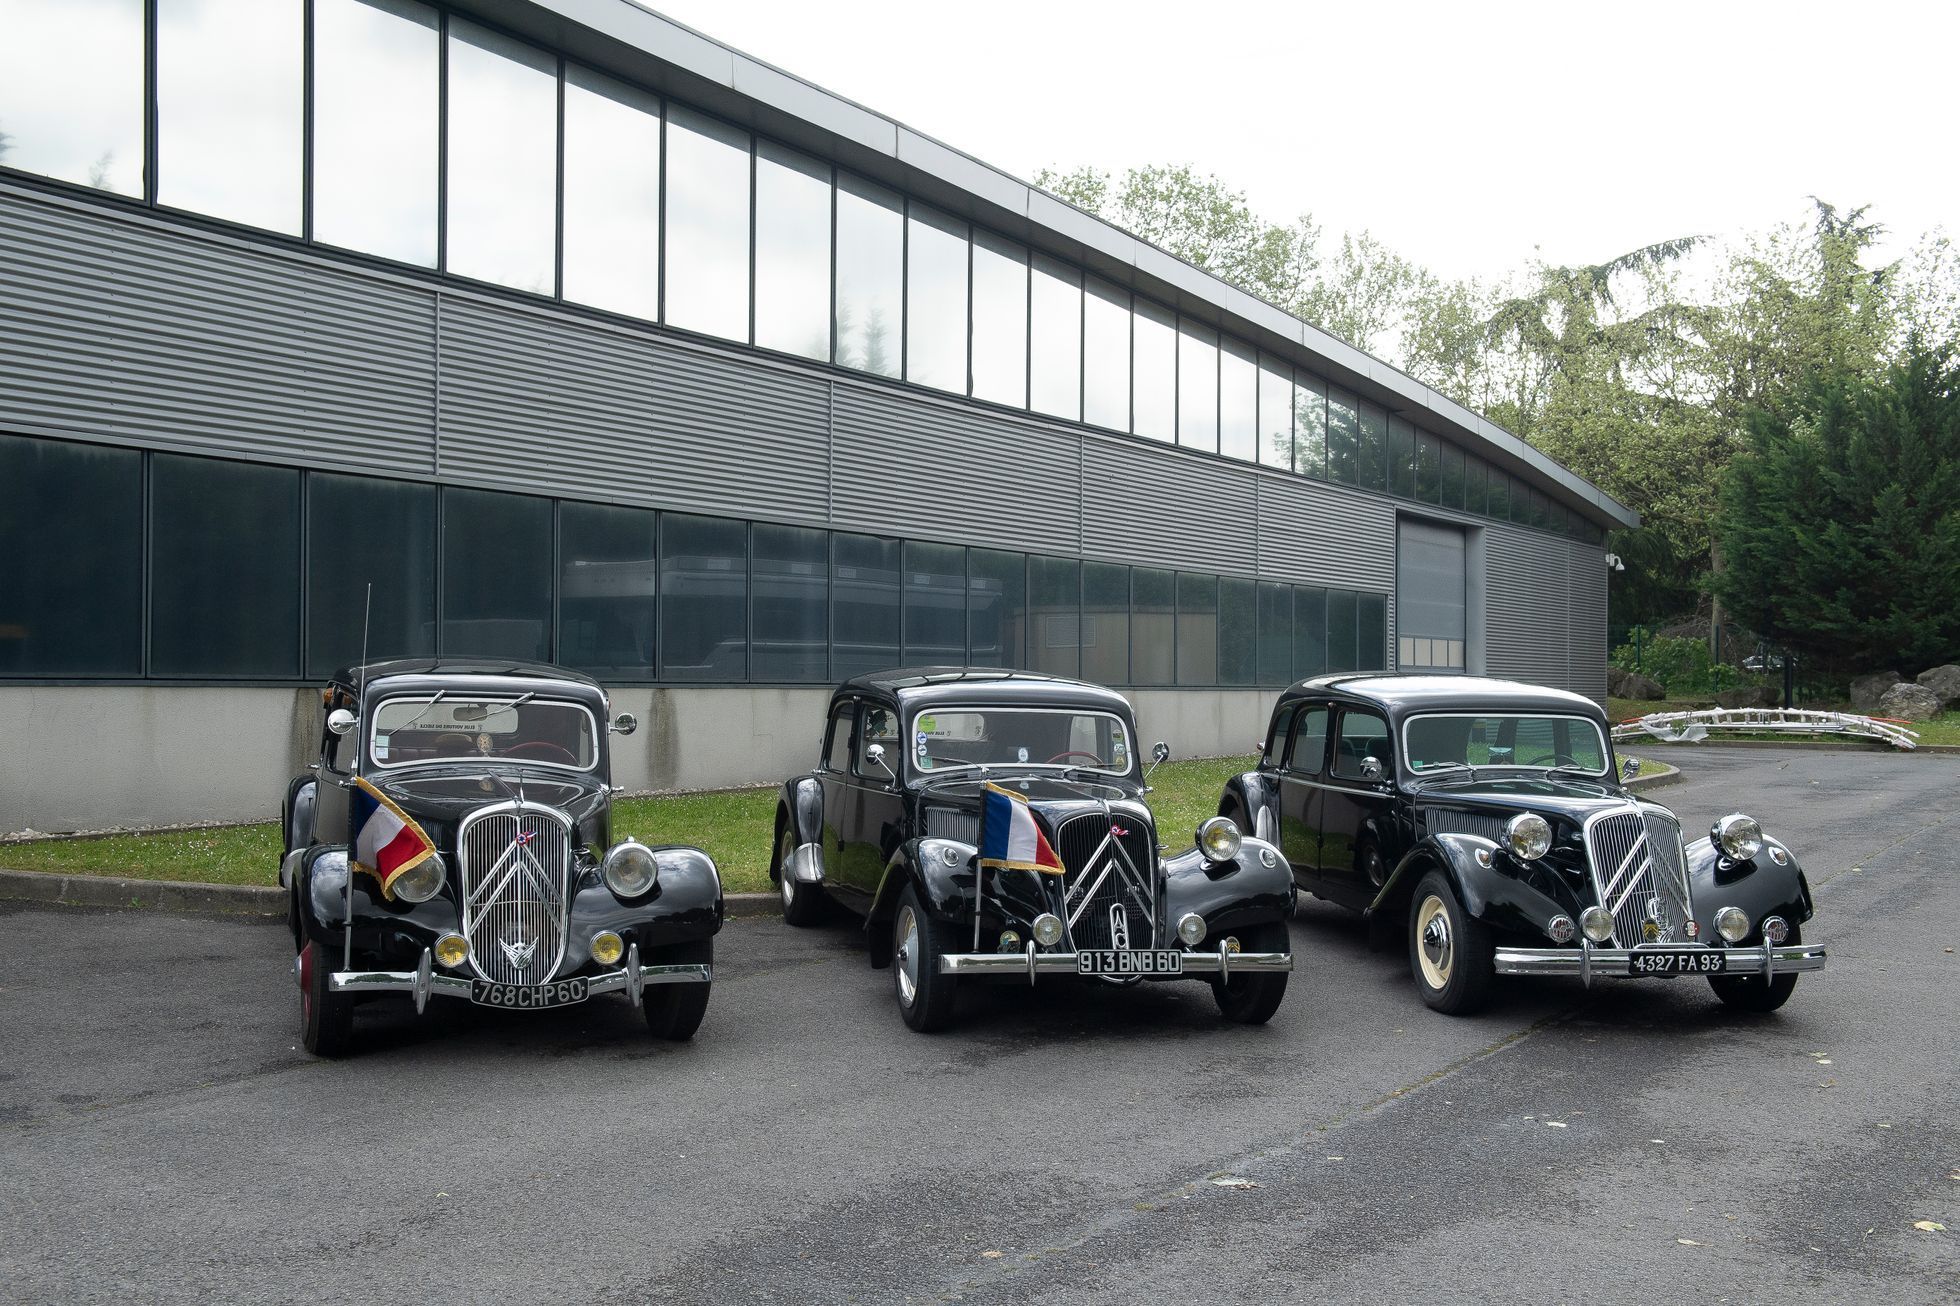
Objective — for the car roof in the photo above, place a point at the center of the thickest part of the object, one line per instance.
(1404, 693)
(925, 686)
(446, 668)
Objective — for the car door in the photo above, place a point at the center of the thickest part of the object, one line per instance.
(1355, 808)
(1272, 756)
(834, 778)
(874, 806)
(1300, 790)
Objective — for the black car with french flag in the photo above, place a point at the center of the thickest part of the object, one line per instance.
(992, 824)
(459, 816)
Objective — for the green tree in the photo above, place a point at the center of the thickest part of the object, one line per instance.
(1841, 517)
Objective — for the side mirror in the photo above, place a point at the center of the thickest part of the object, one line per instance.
(625, 724)
(874, 754)
(1371, 768)
(1629, 767)
(1160, 751)
(341, 721)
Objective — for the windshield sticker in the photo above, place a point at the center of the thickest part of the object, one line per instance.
(1020, 754)
(381, 748)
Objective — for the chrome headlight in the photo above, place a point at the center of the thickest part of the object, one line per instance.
(1219, 839)
(630, 869)
(1739, 837)
(1048, 929)
(1732, 923)
(1191, 929)
(419, 882)
(1597, 922)
(1528, 836)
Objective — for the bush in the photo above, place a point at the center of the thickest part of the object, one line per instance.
(1682, 666)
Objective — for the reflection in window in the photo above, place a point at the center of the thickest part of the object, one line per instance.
(1371, 632)
(1106, 623)
(1153, 626)
(1343, 438)
(77, 510)
(870, 276)
(1000, 321)
(1342, 629)
(935, 301)
(1309, 631)
(1275, 637)
(376, 113)
(996, 608)
(1401, 458)
(1310, 426)
(229, 112)
(792, 252)
(1197, 387)
(1429, 468)
(1500, 495)
(707, 225)
(1476, 486)
(71, 91)
(1197, 629)
(1055, 616)
(1237, 631)
(503, 159)
(704, 606)
(1153, 385)
(496, 575)
(1371, 463)
(363, 532)
(935, 605)
(224, 568)
(864, 598)
(1453, 475)
(1275, 414)
(1105, 356)
(608, 589)
(1055, 350)
(1238, 402)
(612, 195)
(790, 602)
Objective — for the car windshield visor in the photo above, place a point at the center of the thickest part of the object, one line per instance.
(1060, 738)
(1449, 742)
(453, 727)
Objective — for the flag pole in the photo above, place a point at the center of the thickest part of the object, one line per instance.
(360, 707)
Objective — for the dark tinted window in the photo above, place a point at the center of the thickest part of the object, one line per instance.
(789, 597)
(1055, 615)
(1429, 468)
(1106, 623)
(1371, 632)
(1363, 734)
(1275, 660)
(1237, 642)
(864, 596)
(1372, 458)
(1453, 476)
(837, 749)
(608, 582)
(935, 604)
(877, 725)
(496, 575)
(996, 608)
(72, 526)
(1308, 751)
(1153, 626)
(363, 532)
(224, 568)
(1309, 632)
(1276, 733)
(1197, 629)
(704, 582)
(1476, 486)
(1341, 637)
(1343, 438)
(1401, 458)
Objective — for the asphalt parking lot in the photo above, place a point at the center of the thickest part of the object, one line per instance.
(163, 1138)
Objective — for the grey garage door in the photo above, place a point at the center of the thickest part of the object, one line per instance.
(1429, 598)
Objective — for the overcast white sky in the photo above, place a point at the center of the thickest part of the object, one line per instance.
(1461, 134)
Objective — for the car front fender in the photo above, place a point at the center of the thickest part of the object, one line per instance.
(799, 807)
(1761, 887)
(1486, 889)
(1257, 795)
(1251, 889)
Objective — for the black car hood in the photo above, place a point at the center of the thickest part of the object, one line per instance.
(446, 794)
(1054, 796)
(1570, 797)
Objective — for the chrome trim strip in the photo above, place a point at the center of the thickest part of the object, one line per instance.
(1590, 963)
(1063, 963)
(456, 986)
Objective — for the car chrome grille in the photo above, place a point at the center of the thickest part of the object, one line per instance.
(1640, 874)
(515, 862)
(1099, 877)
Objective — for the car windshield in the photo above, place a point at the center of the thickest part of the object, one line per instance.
(1455, 740)
(1019, 737)
(459, 726)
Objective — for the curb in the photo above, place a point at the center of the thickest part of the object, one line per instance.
(221, 899)
(1667, 775)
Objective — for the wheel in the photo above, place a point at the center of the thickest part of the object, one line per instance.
(1752, 992)
(925, 997)
(1451, 954)
(802, 903)
(674, 1011)
(326, 1018)
(1252, 999)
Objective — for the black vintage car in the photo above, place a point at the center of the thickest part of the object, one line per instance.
(481, 791)
(1487, 820)
(889, 826)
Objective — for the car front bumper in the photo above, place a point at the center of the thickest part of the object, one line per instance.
(424, 982)
(1590, 963)
(1220, 962)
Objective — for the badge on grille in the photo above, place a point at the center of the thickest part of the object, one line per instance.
(1119, 926)
(520, 954)
(1650, 930)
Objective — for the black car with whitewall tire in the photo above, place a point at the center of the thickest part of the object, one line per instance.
(1487, 825)
(918, 769)
(459, 815)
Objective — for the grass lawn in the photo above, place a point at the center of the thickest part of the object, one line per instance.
(734, 826)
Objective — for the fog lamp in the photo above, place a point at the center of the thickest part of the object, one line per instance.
(1597, 922)
(1739, 837)
(1191, 928)
(1528, 836)
(606, 947)
(419, 882)
(630, 869)
(1010, 941)
(1048, 929)
(1561, 929)
(1776, 930)
(1219, 838)
(1732, 923)
(452, 950)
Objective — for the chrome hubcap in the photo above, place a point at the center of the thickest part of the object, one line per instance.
(1433, 949)
(905, 956)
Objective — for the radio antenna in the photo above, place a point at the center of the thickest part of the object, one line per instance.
(360, 707)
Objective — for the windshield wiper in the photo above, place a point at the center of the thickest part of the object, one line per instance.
(1583, 773)
(426, 709)
(1429, 767)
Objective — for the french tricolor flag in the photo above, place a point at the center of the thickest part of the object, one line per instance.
(387, 840)
(1011, 837)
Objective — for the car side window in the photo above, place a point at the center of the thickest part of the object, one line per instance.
(1308, 752)
(1276, 738)
(878, 725)
(1363, 734)
(837, 747)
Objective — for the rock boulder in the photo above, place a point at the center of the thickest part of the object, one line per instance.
(1867, 690)
(1908, 702)
(1750, 696)
(1631, 684)
(1944, 681)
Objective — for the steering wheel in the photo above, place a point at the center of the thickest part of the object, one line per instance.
(543, 749)
(1077, 752)
(1566, 759)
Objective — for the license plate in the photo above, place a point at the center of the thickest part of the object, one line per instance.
(1685, 961)
(527, 997)
(1122, 961)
